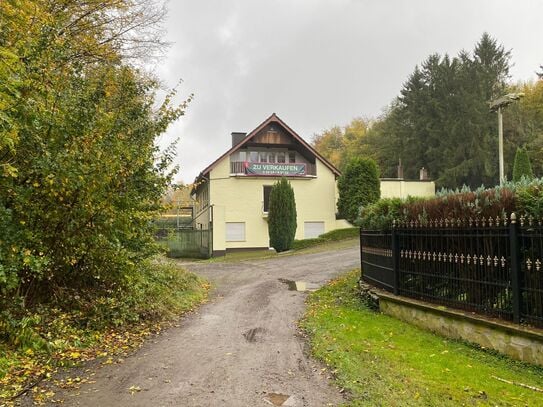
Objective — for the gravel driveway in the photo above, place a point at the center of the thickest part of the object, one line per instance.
(240, 349)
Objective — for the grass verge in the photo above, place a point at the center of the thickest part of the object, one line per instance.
(34, 346)
(382, 361)
(335, 240)
(332, 236)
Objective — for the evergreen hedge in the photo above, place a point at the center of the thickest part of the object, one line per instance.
(282, 216)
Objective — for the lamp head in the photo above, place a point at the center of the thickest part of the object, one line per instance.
(505, 100)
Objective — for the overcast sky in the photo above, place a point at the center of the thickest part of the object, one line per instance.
(318, 63)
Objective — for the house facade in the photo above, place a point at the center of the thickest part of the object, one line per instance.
(232, 193)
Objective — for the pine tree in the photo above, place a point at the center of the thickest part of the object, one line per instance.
(358, 186)
(282, 216)
(522, 166)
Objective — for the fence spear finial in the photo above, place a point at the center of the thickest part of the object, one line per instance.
(513, 217)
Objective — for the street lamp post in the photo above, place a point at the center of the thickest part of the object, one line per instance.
(500, 144)
(497, 106)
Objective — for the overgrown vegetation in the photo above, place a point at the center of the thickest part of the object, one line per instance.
(80, 176)
(524, 197)
(282, 216)
(379, 360)
(83, 326)
(358, 186)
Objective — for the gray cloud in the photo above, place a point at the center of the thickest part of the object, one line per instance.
(317, 63)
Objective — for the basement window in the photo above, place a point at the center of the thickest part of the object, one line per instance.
(235, 231)
(313, 229)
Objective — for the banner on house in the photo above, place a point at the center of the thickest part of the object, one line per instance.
(275, 169)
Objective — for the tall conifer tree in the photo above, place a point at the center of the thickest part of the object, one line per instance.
(522, 166)
(282, 216)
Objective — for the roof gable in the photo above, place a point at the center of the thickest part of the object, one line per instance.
(281, 135)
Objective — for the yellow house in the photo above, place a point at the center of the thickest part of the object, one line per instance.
(232, 193)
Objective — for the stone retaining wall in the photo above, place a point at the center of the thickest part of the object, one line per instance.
(515, 341)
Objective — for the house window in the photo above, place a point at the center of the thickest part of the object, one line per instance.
(253, 157)
(267, 190)
(235, 231)
(263, 158)
(292, 157)
(280, 157)
(313, 229)
(271, 157)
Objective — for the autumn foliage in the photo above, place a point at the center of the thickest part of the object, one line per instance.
(80, 177)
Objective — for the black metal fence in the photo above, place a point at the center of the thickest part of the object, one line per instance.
(490, 266)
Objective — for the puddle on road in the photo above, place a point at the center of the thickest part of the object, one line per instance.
(276, 399)
(299, 285)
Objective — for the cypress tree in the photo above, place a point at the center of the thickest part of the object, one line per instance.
(522, 166)
(282, 216)
(358, 186)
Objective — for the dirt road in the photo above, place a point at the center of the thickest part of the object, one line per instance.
(240, 349)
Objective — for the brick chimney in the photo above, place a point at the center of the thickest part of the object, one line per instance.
(237, 137)
(400, 169)
(423, 174)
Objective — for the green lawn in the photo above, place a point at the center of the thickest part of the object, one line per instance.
(382, 361)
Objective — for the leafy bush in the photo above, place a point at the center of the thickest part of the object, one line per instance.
(529, 196)
(358, 187)
(282, 216)
(81, 177)
(380, 214)
(158, 292)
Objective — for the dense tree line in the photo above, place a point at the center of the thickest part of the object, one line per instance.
(441, 121)
(80, 175)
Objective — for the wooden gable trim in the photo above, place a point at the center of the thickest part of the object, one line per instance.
(272, 118)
